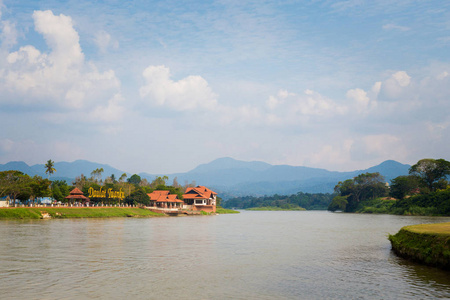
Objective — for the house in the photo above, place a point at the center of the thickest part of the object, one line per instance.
(200, 198)
(4, 202)
(164, 200)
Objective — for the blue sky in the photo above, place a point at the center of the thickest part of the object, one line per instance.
(162, 86)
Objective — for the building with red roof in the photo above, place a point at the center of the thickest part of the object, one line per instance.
(165, 200)
(77, 195)
(200, 198)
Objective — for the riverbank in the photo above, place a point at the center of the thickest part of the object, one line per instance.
(425, 243)
(221, 211)
(276, 208)
(74, 212)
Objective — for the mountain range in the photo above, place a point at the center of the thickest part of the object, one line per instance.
(229, 177)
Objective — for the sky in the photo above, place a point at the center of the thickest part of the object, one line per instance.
(163, 86)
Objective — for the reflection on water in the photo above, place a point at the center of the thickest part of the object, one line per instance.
(252, 255)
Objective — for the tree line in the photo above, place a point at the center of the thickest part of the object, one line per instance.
(22, 187)
(295, 201)
(425, 190)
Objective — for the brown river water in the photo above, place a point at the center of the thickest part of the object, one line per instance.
(251, 255)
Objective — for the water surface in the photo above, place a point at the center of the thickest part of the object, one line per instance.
(252, 255)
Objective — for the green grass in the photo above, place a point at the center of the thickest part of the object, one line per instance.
(75, 212)
(221, 210)
(437, 229)
(275, 208)
(376, 206)
(426, 243)
(19, 213)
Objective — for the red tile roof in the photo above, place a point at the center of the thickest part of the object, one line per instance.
(163, 196)
(155, 195)
(76, 194)
(76, 191)
(199, 192)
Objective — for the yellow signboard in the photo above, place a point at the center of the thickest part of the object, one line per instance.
(106, 193)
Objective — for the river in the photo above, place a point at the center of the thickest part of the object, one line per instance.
(251, 255)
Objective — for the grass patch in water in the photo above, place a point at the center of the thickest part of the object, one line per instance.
(276, 208)
(221, 210)
(425, 243)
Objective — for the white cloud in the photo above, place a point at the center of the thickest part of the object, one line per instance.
(60, 35)
(361, 99)
(19, 150)
(104, 41)
(337, 154)
(6, 145)
(192, 92)
(8, 35)
(394, 86)
(113, 111)
(61, 78)
(391, 26)
(2, 6)
(402, 78)
(379, 147)
(376, 88)
(309, 103)
(442, 75)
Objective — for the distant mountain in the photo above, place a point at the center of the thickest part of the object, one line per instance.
(18, 166)
(230, 177)
(64, 170)
(389, 169)
(227, 163)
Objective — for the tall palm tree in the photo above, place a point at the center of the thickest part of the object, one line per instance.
(49, 168)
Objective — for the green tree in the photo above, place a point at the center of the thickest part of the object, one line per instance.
(361, 188)
(80, 181)
(338, 203)
(134, 179)
(113, 178)
(60, 190)
(97, 174)
(159, 181)
(14, 184)
(49, 168)
(431, 171)
(123, 177)
(138, 197)
(39, 187)
(403, 186)
(175, 182)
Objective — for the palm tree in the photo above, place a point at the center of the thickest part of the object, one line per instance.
(49, 167)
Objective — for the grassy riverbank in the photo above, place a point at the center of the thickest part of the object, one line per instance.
(426, 243)
(74, 212)
(275, 208)
(221, 210)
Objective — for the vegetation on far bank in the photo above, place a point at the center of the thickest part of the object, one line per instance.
(276, 208)
(425, 243)
(283, 202)
(425, 191)
(221, 210)
(74, 212)
(25, 189)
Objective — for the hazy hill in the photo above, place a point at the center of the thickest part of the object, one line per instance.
(230, 177)
(64, 170)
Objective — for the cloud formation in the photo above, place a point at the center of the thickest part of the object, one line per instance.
(58, 79)
(192, 92)
(359, 83)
